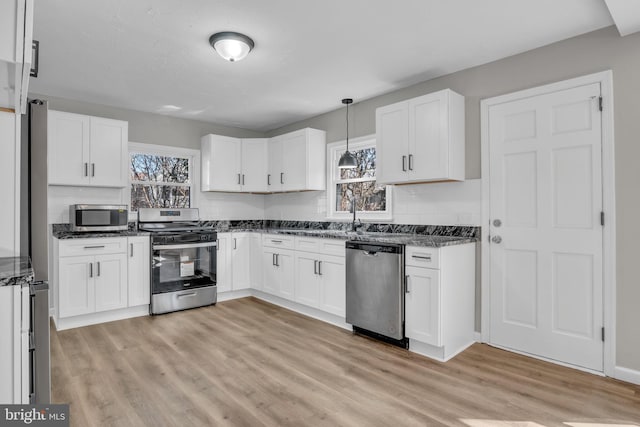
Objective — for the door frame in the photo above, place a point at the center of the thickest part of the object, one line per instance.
(605, 78)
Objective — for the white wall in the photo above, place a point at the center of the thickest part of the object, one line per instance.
(446, 203)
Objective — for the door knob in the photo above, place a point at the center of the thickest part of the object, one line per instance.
(497, 223)
(496, 239)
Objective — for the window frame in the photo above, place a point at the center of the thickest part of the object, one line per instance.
(334, 151)
(168, 151)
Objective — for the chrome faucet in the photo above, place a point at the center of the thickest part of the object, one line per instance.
(354, 226)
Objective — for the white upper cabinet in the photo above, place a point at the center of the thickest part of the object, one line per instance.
(16, 36)
(254, 165)
(290, 162)
(422, 139)
(297, 161)
(87, 151)
(221, 163)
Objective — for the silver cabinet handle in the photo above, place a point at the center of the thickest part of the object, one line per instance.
(242, 179)
(319, 268)
(94, 247)
(427, 258)
(281, 177)
(90, 269)
(269, 179)
(273, 259)
(315, 266)
(93, 169)
(235, 244)
(276, 241)
(238, 179)
(131, 249)
(404, 163)
(190, 294)
(277, 260)
(410, 162)
(406, 285)
(86, 169)
(98, 268)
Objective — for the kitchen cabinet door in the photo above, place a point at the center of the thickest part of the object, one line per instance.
(422, 305)
(256, 260)
(68, 148)
(286, 267)
(76, 292)
(294, 162)
(109, 152)
(240, 261)
(392, 143)
(254, 164)
(271, 274)
(307, 280)
(223, 263)
(275, 175)
(221, 163)
(110, 278)
(139, 271)
(331, 271)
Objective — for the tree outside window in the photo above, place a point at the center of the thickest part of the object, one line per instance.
(159, 181)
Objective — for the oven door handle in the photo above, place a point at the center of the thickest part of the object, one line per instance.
(185, 246)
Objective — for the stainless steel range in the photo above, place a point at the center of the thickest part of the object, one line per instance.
(183, 263)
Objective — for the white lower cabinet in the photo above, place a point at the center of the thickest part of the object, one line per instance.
(139, 266)
(440, 299)
(99, 275)
(240, 261)
(256, 260)
(278, 272)
(320, 282)
(223, 262)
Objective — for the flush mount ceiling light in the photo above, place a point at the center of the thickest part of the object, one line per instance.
(231, 46)
(347, 160)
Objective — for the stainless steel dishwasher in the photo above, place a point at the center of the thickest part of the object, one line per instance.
(375, 291)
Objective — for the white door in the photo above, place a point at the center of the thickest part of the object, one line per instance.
(422, 305)
(294, 161)
(223, 263)
(392, 142)
(307, 285)
(139, 271)
(286, 272)
(254, 164)
(240, 262)
(109, 152)
(546, 191)
(76, 287)
(255, 240)
(110, 272)
(332, 284)
(271, 274)
(225, 156)
(275, 175)
(429, 137)
(68, 149)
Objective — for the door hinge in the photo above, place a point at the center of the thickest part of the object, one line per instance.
(600, 103)
(602, 218)
(603, 333)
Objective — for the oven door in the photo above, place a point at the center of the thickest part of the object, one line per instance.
(178, 267)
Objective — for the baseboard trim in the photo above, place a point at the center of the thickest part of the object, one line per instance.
(626, 374)
(101, 317)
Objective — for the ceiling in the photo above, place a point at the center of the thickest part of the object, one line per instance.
(154, 55)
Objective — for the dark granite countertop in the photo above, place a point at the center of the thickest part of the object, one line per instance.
(63, 231)
(15, 271)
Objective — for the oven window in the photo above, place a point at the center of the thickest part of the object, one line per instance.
(183, 268)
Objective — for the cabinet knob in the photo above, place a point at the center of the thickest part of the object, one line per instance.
(497, 223)
(496, 239)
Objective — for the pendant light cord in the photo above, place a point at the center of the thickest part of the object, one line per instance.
(347, 127)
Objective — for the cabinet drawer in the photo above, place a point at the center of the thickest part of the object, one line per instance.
(278, 241)
(419, 256)
(83, 247)
(321, 245)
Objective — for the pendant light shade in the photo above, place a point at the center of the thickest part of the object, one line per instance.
(347, 160)
(231, 46)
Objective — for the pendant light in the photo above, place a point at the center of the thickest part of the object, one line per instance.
(231, 46)
(347, 160)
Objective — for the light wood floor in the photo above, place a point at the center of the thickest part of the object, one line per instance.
(249, 363)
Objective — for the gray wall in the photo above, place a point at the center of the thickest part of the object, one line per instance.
(150, 128)
(589, 53)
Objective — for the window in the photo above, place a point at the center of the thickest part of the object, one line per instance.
(161, 177)
(372, 201)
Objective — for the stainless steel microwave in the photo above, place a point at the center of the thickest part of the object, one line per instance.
(98, 217)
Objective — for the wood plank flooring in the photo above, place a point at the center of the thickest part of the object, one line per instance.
(249, 363)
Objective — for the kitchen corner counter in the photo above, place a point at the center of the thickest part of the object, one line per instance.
(15, 271)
